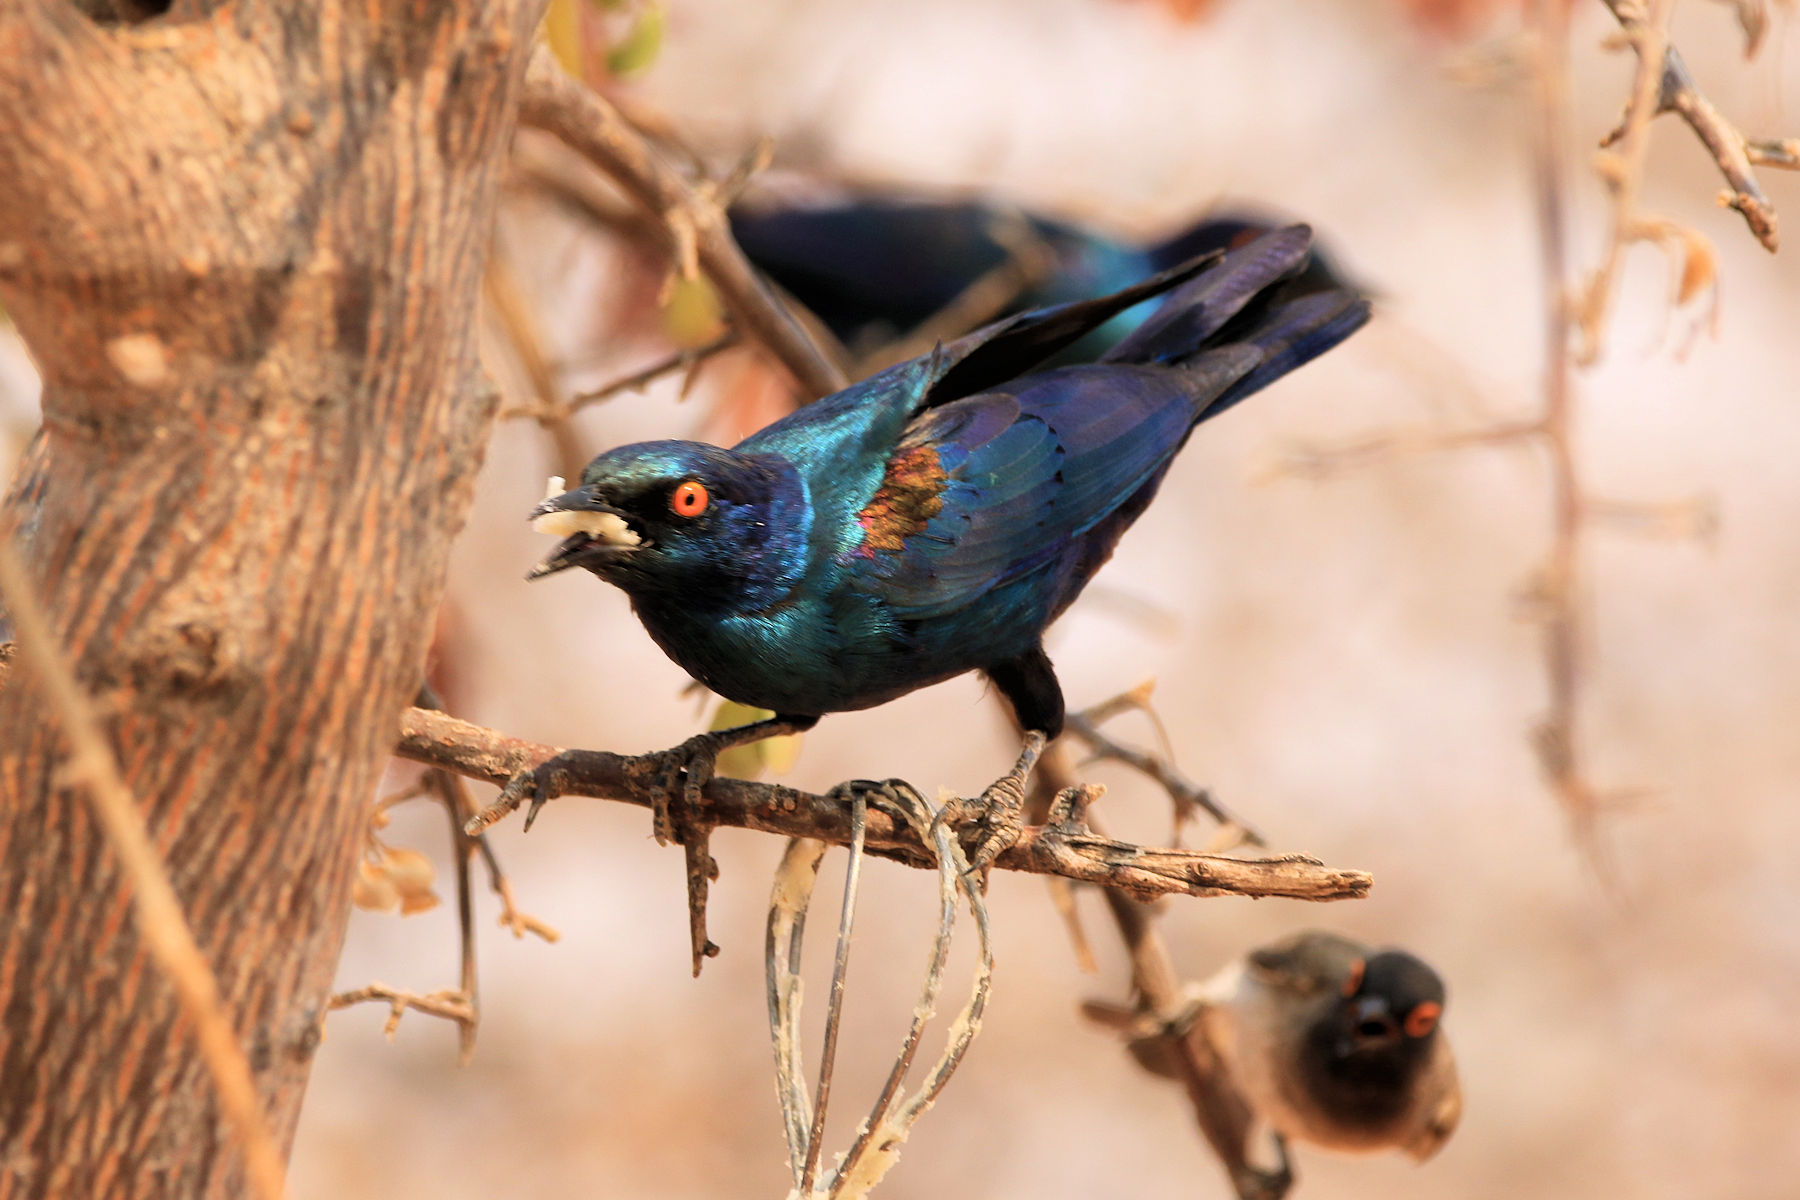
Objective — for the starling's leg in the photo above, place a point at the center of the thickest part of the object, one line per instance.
(688, 766)
(998, 813)
(1029, 685)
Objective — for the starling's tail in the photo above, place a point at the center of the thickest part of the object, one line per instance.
(1252, 298)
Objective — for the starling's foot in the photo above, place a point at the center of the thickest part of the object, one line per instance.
(681, 772)
(689, 766)
(998, 815)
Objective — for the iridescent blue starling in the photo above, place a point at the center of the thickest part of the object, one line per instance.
(936, 517)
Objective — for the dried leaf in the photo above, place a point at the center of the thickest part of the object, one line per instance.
(373, 890)
(1699, 265)
(410, 870)
(418, 902)
(411, 875)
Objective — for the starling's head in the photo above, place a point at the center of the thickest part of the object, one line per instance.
(1390, 1002)
(684, 518)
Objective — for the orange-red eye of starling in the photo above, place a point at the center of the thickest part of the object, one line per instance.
(1422, 1019)
(689, 499)
(1353, 981)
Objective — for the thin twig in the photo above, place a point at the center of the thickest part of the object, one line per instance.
(789, 900)
(449, 1004)
(834, 1009)
(1222, 1114)
(1311, 461)
(687, 361)
(1557, 737)
(439, 740)
(890, 1122)
(699, 235)
(514, 312)
(93, 769)
(1624, 174)
(462, 848)
(1186, 795)
(1730, 149)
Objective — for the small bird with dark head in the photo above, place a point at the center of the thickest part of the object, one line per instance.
(934, 518)
(1334, 1043)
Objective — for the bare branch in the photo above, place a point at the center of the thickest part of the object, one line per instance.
(1222, 1114)
(449, 1004)
(1321, 461)
(834, 1009)
(440, 740)
(1186, 795)
(508, 303)
(687, 361)
(92, 769)
(699, 234)
(1677, 92)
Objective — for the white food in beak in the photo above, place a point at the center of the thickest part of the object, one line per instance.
(601, 526)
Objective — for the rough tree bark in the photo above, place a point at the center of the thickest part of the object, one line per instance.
(244, 244)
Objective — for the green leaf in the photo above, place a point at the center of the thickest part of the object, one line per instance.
(639, 47)
(775, 755)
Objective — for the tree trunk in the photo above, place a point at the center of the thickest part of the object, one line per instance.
(244, 244)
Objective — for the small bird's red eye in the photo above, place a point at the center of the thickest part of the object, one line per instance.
(689, 499)
(1353, 981)
(1423, 1019)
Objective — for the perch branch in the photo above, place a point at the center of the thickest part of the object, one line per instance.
(439, 740)
(92, 769)
(698, 232)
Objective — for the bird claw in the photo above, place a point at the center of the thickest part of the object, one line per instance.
(540, 784)
(997, 817)
(681, 770)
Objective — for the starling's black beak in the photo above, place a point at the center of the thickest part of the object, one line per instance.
(593, 532)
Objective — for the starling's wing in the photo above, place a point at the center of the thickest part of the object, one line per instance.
(991, 487)
(1042, 473)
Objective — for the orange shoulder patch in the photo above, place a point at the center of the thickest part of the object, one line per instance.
(911, 493)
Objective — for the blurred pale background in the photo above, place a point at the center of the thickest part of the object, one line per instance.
(1341, 659)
